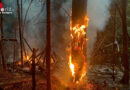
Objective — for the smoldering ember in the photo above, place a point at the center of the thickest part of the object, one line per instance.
(64, 44)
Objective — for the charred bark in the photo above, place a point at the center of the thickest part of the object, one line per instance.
(33, 69)
(2, 45)
(48, 44)
(20, 32)
(14, 54)
(125, 78)
(78, 11)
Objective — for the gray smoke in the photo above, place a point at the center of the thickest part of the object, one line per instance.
(35, 22)
(98, 13)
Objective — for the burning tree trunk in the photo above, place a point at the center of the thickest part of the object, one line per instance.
(79, 23)
(125, 44)
(48, 44)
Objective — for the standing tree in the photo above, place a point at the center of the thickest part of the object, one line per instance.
(20, 31)
(125, 44)
(2, 43)
(78, 36)
(48, 44)
(78, 11)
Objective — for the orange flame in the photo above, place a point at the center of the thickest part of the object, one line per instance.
(78, 33)
(71, 65)
(27, 57)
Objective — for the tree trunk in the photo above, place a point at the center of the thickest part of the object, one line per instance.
(20, 32)
(14, 54)
(125, 44)
(78, 45)
(114, 45)
(48, 44)
(33, 69)
(78, 11)
(2, 45)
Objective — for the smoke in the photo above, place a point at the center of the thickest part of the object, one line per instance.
(61, 15)
(34, 21)
(35, 24)
(98, 13)
(34, 27)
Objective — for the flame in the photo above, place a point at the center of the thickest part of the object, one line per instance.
(78, 40)
(71, 65)
(27, 57)
(83, 71)
(79, 30)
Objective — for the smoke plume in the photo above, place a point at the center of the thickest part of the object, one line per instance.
(98, 13)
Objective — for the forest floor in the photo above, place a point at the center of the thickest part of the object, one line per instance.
(99, 77)
(102, 75)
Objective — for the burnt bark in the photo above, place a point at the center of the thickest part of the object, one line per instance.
(33, 70)
(14, 54)
(78, 11)
(48, 44)
(20, 32)
(2, 45)
(125, 43)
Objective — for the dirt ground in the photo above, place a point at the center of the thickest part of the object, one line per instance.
(97, 78)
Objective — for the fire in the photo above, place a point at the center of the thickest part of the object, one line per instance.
(83, 71)
(71, 65)
(27, 57)
(78, 30)
(77, 58)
